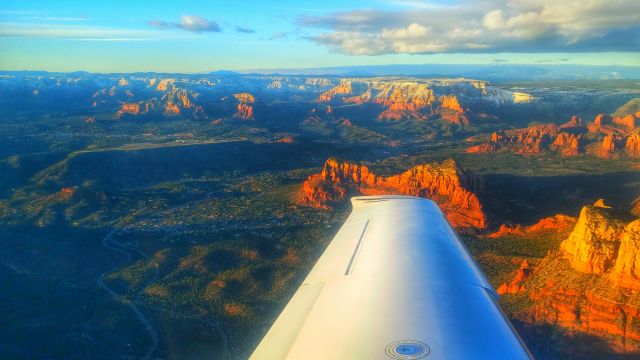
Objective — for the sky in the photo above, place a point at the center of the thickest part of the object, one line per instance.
(192, 36)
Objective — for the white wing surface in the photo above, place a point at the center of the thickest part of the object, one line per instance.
(395, 283)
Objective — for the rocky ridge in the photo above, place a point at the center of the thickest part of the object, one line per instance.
(444, 183)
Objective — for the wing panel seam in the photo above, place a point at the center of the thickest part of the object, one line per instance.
(354, 256)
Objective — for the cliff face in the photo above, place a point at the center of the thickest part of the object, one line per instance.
(591, 285)
(619, 137)
(614, 320)
(632, 146)
(444, 183)
(515, 285)
(557, 223)
(592, 247)
(245, 106)
(531, 140)
(344, 88)
(626, 272)
(420, 100)
(406, 100)
(128, 108)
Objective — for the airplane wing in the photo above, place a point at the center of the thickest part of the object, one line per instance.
(394, 283)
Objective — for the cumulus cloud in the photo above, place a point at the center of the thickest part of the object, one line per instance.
(191, 23)
(483, 26)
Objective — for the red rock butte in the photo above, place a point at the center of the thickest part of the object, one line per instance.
(245, 106)
(445, 183)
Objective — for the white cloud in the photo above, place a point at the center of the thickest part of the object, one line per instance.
(191, 23)
(77, 32)
(493, 20)
(483, 26)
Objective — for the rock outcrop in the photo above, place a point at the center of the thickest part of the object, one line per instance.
(515, 285)
(632, 146)
(568, 144)
(593, 245)
(443, 182)
(344, 88)
(171, 109)
(245, 106)
(450, 102)
(406, 100)
(557, 224)
(592, 285)
(626, 272)
(164, 84)
(128, 108)
(613, 319)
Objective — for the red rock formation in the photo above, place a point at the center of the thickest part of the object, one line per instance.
(184, 98)
(602, 119)
(531, 140)
(444, 183)
(568, 144)
(557, 224)
(629, 121)
(343, 89)
(593, 245)
(245, 106)
(128, 108)
(450, 102)
(536, 139)
(287, 139)
(576, 121)
(632, 146)
(360, 99)
(606, 302)
(164, 84)
(345, 122)
(407, 101)
(515, 286)
(610, 144)
(574, 308)
(66, 193)
(171, 109)
(626, 272)
(489, 147)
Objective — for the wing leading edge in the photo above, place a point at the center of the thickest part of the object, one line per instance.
(394, 283)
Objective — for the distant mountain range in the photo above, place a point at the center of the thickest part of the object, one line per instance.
(491, 72)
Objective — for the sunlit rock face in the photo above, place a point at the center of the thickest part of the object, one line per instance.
(414, 99)
(591, 286)
(515, 285)
(245, 106)
(343, 89)
(171, 109)
(593, 245)
(531, 140)
(164, 84)
(626, 272)
(443, 182)
(610, 144)
(128, 108)
(613, 319)
(632, 146)
(556, 223)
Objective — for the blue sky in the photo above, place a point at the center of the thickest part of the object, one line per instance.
(201, 36)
